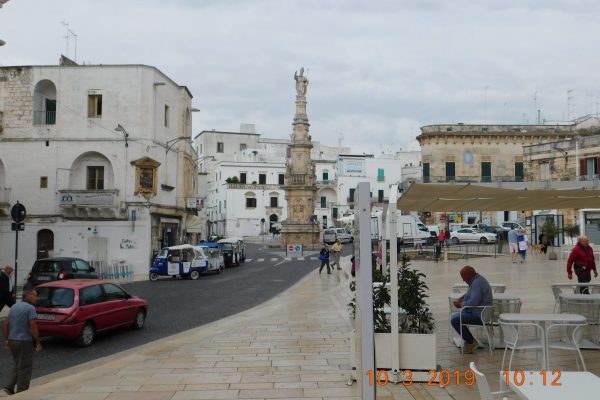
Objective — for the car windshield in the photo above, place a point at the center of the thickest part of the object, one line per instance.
(163, 253)
(46, 266)
(478, 231)
(226, 246)
(55, 297)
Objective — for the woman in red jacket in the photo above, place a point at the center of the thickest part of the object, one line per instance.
(583, 262)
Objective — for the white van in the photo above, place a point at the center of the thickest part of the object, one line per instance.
(332, 234)
(408, 229)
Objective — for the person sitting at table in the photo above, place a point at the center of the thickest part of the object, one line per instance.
(583, 261)
(478, 294)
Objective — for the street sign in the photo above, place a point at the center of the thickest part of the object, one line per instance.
(17, 226)
(294, 250)
(18, 212)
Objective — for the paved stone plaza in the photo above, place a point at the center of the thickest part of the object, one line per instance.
(297, 345)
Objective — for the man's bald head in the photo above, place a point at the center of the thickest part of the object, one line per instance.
(584, 240)
(467, 273)
(8, 269)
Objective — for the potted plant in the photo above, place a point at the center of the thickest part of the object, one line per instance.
(572, 231)
(551, 231)
(417, 341)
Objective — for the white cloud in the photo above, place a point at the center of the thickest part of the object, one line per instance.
(378, 70)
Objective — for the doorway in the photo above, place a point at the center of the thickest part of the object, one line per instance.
(272, 221)
(45, 243)
(98, 251)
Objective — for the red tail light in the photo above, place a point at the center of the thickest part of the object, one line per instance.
(61, 275)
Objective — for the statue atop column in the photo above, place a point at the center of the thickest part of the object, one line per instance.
(301, 83)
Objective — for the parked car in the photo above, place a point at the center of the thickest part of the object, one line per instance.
(78, 309)
(59, 268)
(510, 224)
(472, 235)
(332, 234)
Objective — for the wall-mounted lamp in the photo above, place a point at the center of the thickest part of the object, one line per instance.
(120, 128)
(171, 142)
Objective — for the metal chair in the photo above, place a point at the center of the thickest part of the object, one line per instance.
(514, 339)
(512, 306)
(557, 290)
(590, 310)
(485, 392)
(573, 333)
(487, 314)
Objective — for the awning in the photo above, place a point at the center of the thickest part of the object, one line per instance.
(469, 197)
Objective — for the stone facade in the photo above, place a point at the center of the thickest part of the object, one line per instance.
(92, 191)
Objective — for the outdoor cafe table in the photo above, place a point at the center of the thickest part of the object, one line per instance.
(544, 321)
(575, 285)
(573, 385)
(463, 287)
(587, 298)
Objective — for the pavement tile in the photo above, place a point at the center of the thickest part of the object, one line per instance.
(206, 394)
(270, 393)
(161, 388)
(140, 396)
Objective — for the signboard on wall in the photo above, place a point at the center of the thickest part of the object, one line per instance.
(353, 167)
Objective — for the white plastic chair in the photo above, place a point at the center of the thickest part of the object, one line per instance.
(485, 392)
(487, 315)
(590, 310)
(557, 290)
(514, 339)
(573, 335)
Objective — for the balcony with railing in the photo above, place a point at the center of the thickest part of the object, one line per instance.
(44, 117)
(471, 179)
(253, 186)
(327, 183)
(89, 204)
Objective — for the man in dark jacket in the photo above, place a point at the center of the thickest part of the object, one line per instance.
(7, 297)
(324, 257)
(582, 260)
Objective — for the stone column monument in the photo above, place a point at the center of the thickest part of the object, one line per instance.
(300, 180)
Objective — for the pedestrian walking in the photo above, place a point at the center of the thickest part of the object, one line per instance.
(543, 241)
(523, 242)
(7, 292)
(513, 243)
(324, 257)
(353, 268)
(336, 249)
(19, 329)
(582, 260)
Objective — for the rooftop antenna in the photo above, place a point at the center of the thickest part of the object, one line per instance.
(66, 25)
(75, 38)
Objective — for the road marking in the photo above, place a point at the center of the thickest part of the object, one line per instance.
(260, 260)
(274, 259)
(248, 259)
(300, 258)
(314, 258)
(288, 259)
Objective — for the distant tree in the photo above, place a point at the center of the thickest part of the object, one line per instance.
(232, 179)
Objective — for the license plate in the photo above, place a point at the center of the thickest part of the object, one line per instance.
(46, 317)
(43, 278)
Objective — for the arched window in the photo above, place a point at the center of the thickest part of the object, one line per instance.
(44, 103)
(250, 200)
(91, 171)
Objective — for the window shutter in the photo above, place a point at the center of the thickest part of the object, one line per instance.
(597, 166)
(582, 167)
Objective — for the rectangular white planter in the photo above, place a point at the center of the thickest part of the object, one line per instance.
(417, 351)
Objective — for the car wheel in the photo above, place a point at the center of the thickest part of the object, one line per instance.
(455, 240)
(87, 335)
(140, 319)
(483, 240)
(194, 275)
(153, 276)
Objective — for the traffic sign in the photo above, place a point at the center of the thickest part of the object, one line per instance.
(18, 212)
(17, 226)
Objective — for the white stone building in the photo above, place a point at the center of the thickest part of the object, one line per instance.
(93, 191)
(380, 172)
(248, 156)
(259, 165)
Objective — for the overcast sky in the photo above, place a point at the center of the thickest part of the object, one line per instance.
(378, 70)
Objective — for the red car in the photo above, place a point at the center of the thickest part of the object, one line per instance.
(78, 309)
